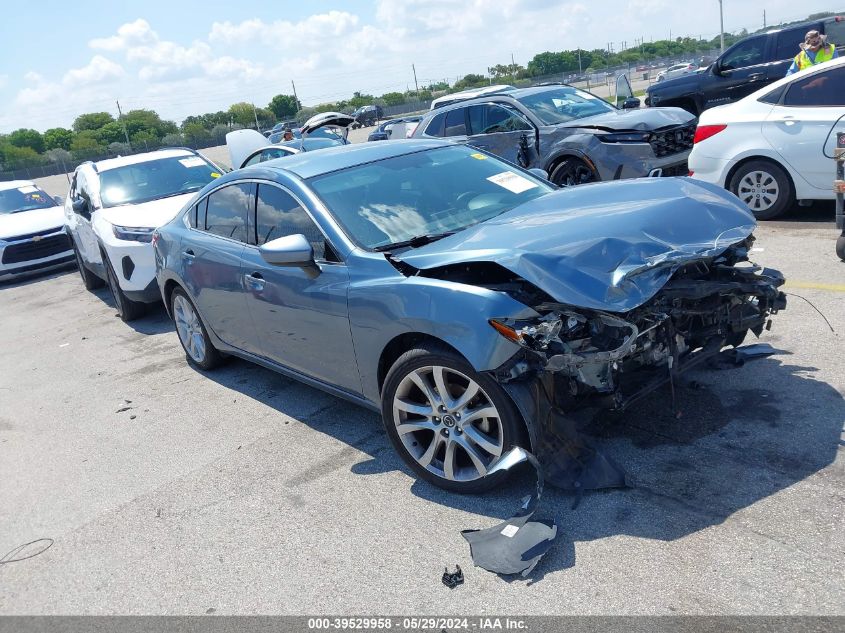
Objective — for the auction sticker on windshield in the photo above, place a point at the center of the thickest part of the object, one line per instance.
(512, 182)
(193, 161)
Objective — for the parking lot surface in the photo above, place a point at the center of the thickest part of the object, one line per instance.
(167, 490)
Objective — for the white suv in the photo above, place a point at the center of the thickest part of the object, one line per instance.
(112, 209)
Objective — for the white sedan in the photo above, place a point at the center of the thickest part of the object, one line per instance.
(676, 70)
(775, 145)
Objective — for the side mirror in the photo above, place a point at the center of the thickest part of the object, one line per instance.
(630, 103)
(540, 173)
(290, 250)
(80, 206)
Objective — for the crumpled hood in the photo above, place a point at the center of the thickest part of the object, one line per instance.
(152, 214)
(608, 246)
(25, 222)
(642, 119)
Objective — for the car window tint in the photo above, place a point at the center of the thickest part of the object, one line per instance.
(254, 159)
(196, 216)
(773, 96)
(227, 211)
(835, 31)
(279, 214)
(821, 89)
(787, 43)
(747, 53)
(489, 119)
(435, 126)
(455, 123)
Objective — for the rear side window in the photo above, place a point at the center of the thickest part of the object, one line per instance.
(227, 211)
(490, 119)
(435, 126)
(750, 52)
(196, 216)
(279, 214)
(825, 89)
(456, 123)
(774, 96)
(788, 41)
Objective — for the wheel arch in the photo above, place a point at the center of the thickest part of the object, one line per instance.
(768, 159)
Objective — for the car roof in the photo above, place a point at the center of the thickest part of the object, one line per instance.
(323, 161)
(122, 161)
(15, 184)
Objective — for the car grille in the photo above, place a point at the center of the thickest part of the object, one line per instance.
(29, 236)
(26, 251)
(672, 141)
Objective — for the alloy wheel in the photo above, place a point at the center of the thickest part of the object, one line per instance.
(189, 328)
(758, 190)
(447, 423)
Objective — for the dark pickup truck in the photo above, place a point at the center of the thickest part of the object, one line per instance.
(745, 67)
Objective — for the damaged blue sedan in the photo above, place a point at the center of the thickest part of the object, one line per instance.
(464, 298)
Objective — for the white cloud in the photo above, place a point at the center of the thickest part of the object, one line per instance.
(33, 77)
(99, 70)
(307, 33)
(135, 33)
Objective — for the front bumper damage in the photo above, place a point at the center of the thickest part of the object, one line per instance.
(575, 362)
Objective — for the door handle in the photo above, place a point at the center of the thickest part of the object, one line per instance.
(788, 120)
(255, 281)
(755, 77)
(188, 256)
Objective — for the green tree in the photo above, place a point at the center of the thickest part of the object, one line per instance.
(91, 121)
(15, 157)
(144, 139)
(243, 113)
(195, 133)
(148, 121)
(471, 81)
(86, 145)
(58, 137)
(284, 106)
(110, 133)
(173, 140)
(393, 98)
(58, 155)
(27, 138)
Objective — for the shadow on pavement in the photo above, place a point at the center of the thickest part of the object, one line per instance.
(37, 277)
(732, 447)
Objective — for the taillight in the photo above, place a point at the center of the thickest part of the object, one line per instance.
(154, 238)
(703, 132)
(690, 173)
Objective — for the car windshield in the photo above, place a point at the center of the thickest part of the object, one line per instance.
(423, 195)
(564, 104)
(154, 179)
(24, 198)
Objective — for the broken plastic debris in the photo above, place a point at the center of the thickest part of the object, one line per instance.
(454, 579)
(737, 356)
(515, 546)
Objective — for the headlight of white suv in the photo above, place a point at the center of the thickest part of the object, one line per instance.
(132, 233)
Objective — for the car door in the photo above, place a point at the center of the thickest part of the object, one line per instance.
(300, 314)
(802, 127)
(87, 241)
(503, 131)
(211, 261)
(740, 71)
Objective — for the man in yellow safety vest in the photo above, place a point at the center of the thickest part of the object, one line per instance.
(814, 50)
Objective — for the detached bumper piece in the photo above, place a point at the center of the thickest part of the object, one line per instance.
(518, 544)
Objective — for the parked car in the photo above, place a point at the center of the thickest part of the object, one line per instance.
(332, 136)
(676, 71)
(575, 136)
(248, 147)
(747, 66)
(395, 128)
(112, 209)
(442, 286)
(776, 145)
(367, 115)
(32, 233)
(472, 93)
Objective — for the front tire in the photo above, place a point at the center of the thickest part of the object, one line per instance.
(89, 279)
(570, 172)
(192, 333)
(127, 309)
(449, 440)
(764, 187)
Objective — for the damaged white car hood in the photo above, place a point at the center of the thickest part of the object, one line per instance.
(610, 246)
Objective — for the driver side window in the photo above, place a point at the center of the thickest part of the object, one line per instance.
(747, 53)
(490, 119)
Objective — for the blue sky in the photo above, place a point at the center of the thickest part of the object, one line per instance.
(61, 59)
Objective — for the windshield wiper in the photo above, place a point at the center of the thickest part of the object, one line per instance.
(414, 242)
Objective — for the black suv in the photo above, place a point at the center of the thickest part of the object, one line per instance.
(367, 115)
(745, 67)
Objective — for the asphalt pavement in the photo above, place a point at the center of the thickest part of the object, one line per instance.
(166, 490)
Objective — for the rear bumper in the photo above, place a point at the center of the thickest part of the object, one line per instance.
(56, 262)
(712, 170)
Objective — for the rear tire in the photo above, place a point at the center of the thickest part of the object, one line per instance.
(840, 248)
(192, 333)
(764, 187)
(127, 309)
(89, 279)
(449, 442)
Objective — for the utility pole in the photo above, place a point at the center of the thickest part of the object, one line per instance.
(122, 122)
(764, 18)
(579, 61)
(255, 113)
(721, 28)
(295, 98)
(415, 78)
